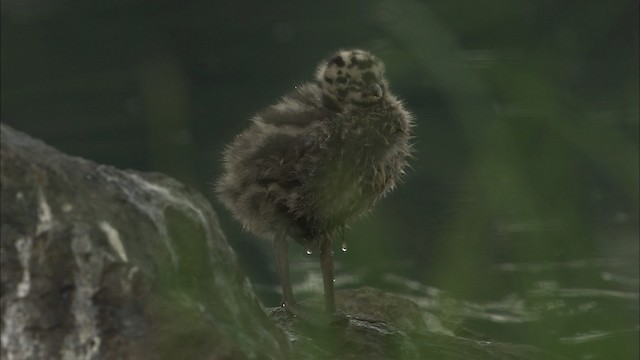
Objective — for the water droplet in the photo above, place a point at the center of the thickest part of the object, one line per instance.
(334, 279)
(344, 247)
(309, 252)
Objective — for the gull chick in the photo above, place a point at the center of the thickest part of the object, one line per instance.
(317, 159)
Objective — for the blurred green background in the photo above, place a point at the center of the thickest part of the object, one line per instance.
(521, 208)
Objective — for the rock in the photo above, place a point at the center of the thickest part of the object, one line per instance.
(99, 263)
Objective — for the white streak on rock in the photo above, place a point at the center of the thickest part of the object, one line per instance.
(23, 247)
(45, 218)
(166, 197)
(114, 240)
(152, 206)
(178, 202)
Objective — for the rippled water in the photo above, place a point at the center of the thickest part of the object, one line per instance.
(582, 309)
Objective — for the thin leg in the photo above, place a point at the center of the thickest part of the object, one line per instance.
(281, 250)
(326, 262)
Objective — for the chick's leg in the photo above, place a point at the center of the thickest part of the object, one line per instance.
(326, 263)
(281, 251)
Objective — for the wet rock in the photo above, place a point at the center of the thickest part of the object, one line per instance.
(99, 263)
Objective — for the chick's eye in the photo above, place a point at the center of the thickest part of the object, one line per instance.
(342, 80)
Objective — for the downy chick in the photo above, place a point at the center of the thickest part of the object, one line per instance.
(317, 159)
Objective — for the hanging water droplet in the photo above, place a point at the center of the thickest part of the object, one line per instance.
(344, 247)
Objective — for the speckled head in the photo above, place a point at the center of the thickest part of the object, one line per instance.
(352, 76)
